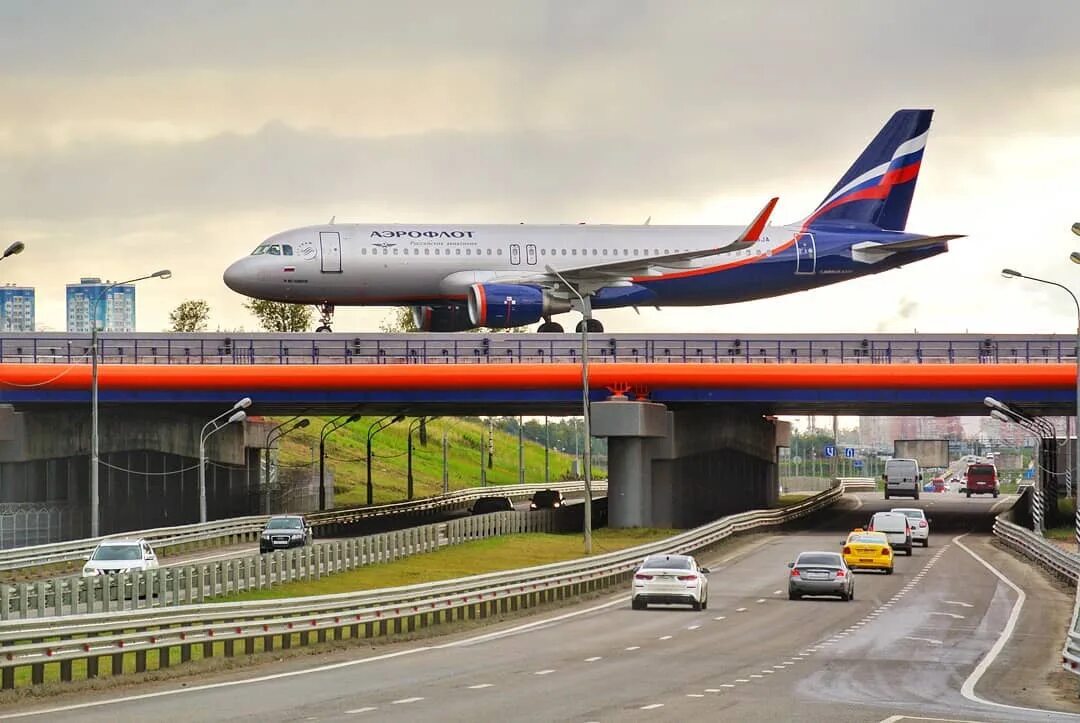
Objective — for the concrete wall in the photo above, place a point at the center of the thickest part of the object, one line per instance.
(687, 467)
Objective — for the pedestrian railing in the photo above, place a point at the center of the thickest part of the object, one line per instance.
(170, 635)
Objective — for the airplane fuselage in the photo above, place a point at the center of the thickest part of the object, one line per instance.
(388, 264)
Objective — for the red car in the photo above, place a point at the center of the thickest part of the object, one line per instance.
(940, 485)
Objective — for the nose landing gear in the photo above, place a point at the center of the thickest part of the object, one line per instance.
(326, 317)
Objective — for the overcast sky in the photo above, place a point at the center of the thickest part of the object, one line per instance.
(136, 136)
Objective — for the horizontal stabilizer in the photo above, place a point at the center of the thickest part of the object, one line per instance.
(870, 247)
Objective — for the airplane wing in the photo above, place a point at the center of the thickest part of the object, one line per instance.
(588, 277)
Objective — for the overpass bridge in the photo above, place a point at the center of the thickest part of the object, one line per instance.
(689, 419)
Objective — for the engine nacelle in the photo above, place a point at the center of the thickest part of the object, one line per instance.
(442, 317)
(501, 306)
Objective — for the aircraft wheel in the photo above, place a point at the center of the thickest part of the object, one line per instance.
(550, 327)
(323, 329)
(593, 325)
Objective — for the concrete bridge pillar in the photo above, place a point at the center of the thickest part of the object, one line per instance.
(686, 467)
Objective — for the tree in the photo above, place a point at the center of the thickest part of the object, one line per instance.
(190, 315)
(280, 315)
(399, 320)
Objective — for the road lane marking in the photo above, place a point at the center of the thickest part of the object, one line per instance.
(717, 690)
(368, 709)
(760, 600)
(727, 685)
(634, 647)
(957, 602)
(968, 688)
(652, 706)
(481, 686)
(594, 658)
(742, 680)
(740, 610)
(549, 671)
(719, 617)
(954, 616)
(693, 627)
(666, 637)
(755, 675)
(925, 640)
(778, 592)
(403, 701)
(695, 695)
(768, 672)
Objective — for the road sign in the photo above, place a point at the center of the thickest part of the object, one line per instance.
(829, 450)
(857, 464)
(849, 452)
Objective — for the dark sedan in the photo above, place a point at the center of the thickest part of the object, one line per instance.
(284, 531)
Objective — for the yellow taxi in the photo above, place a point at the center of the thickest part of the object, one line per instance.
(868, 551)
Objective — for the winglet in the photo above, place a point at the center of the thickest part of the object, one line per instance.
(752, 233)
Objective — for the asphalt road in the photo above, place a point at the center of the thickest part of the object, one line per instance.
(910, 644)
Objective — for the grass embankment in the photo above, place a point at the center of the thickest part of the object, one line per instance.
(1067, 531)
(793, 498)
(346, 459)
(472, 558)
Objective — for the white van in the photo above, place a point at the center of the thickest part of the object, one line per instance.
(896, 527)
(902, 478)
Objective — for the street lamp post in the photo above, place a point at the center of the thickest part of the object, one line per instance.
(95, 511)
(270, 439)
(235, 414)
(327, 429)
(374, 429)
(1012, 273)
(15, 248)
(413, 426)
(585, 313)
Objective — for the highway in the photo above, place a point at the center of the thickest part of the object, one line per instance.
(926, 641)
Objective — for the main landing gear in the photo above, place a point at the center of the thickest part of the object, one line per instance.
(326, 317)
(554, 327)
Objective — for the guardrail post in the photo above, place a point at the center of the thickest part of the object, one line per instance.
(5, 601)
(317, 560)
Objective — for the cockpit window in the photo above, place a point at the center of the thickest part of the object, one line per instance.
(274, 250)
(286, 250)
(259, 251)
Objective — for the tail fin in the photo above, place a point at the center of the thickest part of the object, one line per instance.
(878, 187)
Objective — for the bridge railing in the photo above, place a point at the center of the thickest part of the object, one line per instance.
(245, 529)
(474, 348)
(228, 628)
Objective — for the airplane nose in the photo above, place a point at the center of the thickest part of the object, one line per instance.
(234, 276)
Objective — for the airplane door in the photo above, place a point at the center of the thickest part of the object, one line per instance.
(806, 253)
(530, 254)
(330, 244)
(515, 254)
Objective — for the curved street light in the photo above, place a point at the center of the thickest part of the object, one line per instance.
(234, 414)
(95, 510)
(270, 439)
(376, 427)
(329, 428)
(15, 248)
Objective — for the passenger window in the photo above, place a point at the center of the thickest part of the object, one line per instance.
(286, 250)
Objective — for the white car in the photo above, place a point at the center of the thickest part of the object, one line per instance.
(670, 579)
(920, 524)
(122, 555)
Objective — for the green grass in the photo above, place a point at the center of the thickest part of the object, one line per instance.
(347, 447)
(1067, 531)
(496, 554)
(793, 498)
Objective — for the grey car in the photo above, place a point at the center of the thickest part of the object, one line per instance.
(820, 573)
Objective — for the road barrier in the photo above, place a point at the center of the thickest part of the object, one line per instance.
(246, 529)
(178, 634)
(1063, 564)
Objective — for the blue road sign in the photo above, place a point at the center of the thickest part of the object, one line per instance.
(829, 450)
(849, 452)
(857, 464)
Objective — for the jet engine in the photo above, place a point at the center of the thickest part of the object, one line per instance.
(442, 317)
(501, 306)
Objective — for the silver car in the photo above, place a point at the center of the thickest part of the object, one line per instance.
(820, 573)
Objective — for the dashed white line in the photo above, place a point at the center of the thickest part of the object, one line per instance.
(481, 686)
(727, 685)
(932, 641)
(955, 616)
(957, 602)
(768, 672)
(634, 647)
(368, 709)
(402, 701)
(755, 675)
(740, 610)
(665, 637)
(652, 706)
(695, 695)
(594, 658)
(693, 627)
(778, 592)
(719, 617)
(717, 690)
(544, 672)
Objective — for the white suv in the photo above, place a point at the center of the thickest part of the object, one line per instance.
(920, 524)
(124, 555)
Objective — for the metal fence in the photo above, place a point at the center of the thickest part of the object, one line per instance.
(248, 627)
(33, 524)
(473, 348)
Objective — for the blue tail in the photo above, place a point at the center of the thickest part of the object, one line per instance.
(878, 187)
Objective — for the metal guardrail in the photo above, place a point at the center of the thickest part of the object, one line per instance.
(1063, 564)
(283, 622)
(473, 348)
(241, 529)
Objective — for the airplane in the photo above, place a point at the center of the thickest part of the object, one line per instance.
(458, 277)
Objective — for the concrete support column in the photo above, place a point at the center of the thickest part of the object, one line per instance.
(630, 428)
